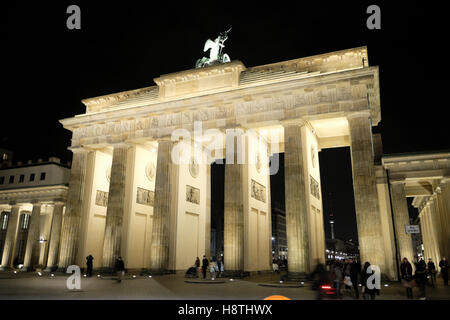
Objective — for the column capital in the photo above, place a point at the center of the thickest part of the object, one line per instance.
(359, 114)
(164, 138)
(294, 122)
(397, 182)
(14, 204)
(122, 144)
(36, 203)
(78, 150)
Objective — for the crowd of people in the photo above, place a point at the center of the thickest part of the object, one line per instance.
(214, 267)
(347, 274)
(423, 272)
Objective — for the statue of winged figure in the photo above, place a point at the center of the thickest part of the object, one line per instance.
(215, 54)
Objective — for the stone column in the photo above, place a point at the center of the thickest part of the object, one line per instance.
(55, 236)
(296, 207)
(435, 229)
(401, 219)
(32, 239)
(116, 207)
(164, 190)
(234, 205)
(208, 211)
(11, 234)
(444, 216)
(365, 189)
(427, 241)
(72, 217)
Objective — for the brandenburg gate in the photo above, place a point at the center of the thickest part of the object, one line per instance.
(130, 195)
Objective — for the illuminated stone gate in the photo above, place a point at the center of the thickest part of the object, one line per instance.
(128, 198)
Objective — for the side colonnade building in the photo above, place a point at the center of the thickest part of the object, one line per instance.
(32, 203)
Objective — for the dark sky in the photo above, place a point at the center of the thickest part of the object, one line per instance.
(48, 69)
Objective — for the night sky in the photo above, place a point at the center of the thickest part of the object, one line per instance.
(47, 69)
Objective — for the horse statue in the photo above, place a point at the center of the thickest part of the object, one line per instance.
(215, 54)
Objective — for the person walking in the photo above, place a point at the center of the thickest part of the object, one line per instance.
(219, 267)
(369, 293)
(197, 266)
(355, 273)
(205, 264)
(443, 264)
(120, 269)
(421, 277)
(89, 265)
(339, 277)
(320, 277)
(431, 271)
(407, 277)
(347, 279)
(212, 268)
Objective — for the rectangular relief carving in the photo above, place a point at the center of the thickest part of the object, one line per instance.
(192, 194)
(101, 198)
(314, 187)
(145, 197)
(258, 191)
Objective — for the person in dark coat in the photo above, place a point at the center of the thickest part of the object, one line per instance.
(407, 277)
(197, 265)
(369, 294)
(355, 273)
(431, 271)
(421, 277)
(338, 276)
(321, 277)
(120, 269)
(16, 262)
(443, 264)
(205, 264)
(89, 265)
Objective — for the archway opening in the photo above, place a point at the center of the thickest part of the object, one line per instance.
(339, 214)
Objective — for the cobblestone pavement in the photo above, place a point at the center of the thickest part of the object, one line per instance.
(174, 287)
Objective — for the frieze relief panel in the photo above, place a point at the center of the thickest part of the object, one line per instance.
(314, 187)
(101, 198)
(192, 194)
(258, 191)
(145, 197)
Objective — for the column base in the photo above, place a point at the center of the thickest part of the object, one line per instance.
(50, 269)
(107, 270)
(159, 272)
(61, 269)
(235, 274)
(27, 269)
(2, 268)
(296, 276)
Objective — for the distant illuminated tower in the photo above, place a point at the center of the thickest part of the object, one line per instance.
(332, 225)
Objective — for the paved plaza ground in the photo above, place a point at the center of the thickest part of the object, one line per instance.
(174, 287)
